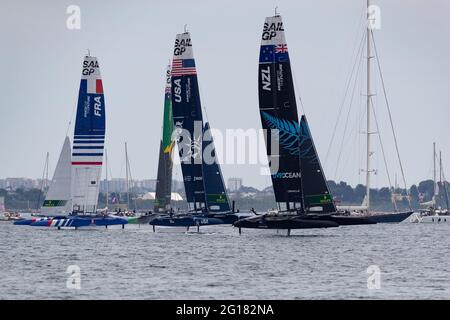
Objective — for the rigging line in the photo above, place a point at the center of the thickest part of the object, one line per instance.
(349, 154)
(298, 96)
(382, 151)
(348, 115)
(357, 134)
(349, 80)
(390, 119)
(41, 187)
(70, 120)
(349, 77)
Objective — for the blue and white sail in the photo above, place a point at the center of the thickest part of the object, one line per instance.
(187, 117)
(58, 198)
(89, 139)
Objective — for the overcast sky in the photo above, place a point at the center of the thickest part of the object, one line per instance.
(41, 61)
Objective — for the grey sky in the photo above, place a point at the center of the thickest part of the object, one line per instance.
(133, 40)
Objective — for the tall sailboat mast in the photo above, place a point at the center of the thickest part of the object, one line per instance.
(46, 170)
(434, 174)
(127, 176)
(440, 171)
(369, 97)
(107, 180)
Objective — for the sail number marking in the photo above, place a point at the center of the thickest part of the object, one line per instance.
(265, 79)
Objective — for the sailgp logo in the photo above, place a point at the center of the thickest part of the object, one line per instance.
(286, 175)
(89, 67)
(270, 30)
(180, 46)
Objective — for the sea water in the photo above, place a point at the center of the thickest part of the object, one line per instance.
(383, 261)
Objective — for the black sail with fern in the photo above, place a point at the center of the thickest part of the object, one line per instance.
(278, 110)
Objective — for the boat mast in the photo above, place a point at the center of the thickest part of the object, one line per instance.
(43, 183)
(440, 172)
(127, 175)
(434, 173)
(46, 170)
(369, 97)
(107, 181)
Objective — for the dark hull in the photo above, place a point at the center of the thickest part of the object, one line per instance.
(346, 220)
(298, 223)
(390, 217)
(284, 222)
(191, 220)
(186, 221)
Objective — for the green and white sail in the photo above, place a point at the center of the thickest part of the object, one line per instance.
(165, 164)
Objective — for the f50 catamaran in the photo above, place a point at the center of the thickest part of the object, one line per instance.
(301, 192)
(85, 161)
(204, 186)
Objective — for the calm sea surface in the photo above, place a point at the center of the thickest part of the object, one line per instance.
(135, 263)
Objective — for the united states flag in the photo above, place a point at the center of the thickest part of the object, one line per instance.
(182, 67)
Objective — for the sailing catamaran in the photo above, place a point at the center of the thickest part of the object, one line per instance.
(85, 161)
(301, 191)
(286, 138)
(206, 195)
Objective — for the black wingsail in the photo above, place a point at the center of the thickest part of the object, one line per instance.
(278, 110)
(216, 195)
(165, 164)
(317, 197)
(187, 117)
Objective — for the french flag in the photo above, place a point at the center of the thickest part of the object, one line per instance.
(90, 85)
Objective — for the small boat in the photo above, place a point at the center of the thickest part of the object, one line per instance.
(10, 216)
(6, 215)
(433, 213)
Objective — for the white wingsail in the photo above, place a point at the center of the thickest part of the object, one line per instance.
(58, 198)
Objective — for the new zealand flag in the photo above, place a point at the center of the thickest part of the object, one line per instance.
(273, 53)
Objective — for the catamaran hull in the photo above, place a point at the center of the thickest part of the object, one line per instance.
(185, 221)
(144, 219)
(346, 220)
(284, 223)
(77, 222)
(27, 222)
(297, 223)
(390, 217)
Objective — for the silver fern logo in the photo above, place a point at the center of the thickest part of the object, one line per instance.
(293, 137)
